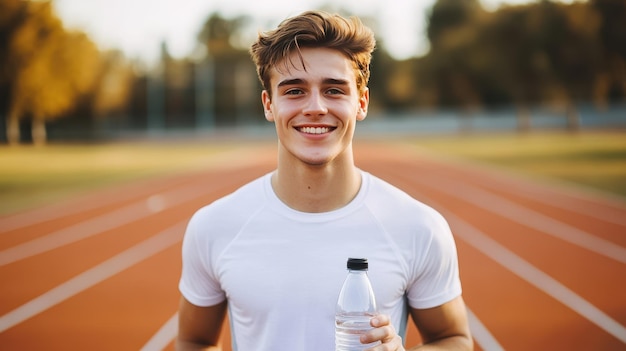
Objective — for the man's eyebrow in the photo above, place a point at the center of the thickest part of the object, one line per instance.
(294, 81)
(327, 81)
(334, 81)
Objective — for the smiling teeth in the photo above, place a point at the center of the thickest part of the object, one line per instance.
(315, 130)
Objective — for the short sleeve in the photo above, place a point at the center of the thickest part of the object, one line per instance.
(198, 284)
(437, 272)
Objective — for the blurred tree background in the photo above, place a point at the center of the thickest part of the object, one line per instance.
(55, 83)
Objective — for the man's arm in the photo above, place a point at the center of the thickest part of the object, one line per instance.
(199, 327)
(444, 327)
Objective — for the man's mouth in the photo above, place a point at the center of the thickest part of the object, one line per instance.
(314, 130)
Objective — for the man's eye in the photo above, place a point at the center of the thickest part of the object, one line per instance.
(293, 92)
(334, 91)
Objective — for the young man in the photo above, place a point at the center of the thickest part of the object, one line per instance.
(274, 252)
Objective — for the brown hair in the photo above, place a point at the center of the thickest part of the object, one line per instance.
(314, 29)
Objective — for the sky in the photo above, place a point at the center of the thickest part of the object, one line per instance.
(138, 27)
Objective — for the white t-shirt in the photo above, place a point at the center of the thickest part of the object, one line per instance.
(281, 270)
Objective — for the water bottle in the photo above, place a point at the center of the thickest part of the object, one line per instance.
(355, 307)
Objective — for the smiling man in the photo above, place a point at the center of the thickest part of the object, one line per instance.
(273, 253)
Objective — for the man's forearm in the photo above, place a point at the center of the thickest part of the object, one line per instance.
(453, 343)
(182, 345)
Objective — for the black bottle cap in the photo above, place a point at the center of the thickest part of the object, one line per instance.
(357, 264)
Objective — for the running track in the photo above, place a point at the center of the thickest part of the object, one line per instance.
(543, 267)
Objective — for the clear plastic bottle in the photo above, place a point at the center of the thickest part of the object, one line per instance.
(355, 307)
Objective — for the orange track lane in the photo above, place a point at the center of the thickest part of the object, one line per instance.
(541, 264)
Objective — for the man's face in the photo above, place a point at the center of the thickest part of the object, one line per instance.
(315, 111)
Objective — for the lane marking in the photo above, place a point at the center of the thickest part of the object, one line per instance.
(536, 277)
(164, 336)
(111, 220)
(481, 334)
(536, 194)
(93, 276)
(516, 179)
(74, 233)
(232, 158)
(527, 217)
(71, 207)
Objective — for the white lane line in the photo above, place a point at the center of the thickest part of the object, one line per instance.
(528, 217)
(481, 334)
(611, 215)
(100, 224)
(238, 157)
(93, 276)
(589, 206)
(535, 277)
(74, 233)
(63, 209)
(164, 336)
(490, 174)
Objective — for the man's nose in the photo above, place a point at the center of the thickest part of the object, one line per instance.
(315, 105)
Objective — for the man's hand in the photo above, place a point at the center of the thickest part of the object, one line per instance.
(385, 333)
(444, 327)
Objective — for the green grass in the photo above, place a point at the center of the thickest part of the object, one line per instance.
(593, 159)
(32, 176)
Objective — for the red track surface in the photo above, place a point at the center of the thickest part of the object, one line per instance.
(543, 267)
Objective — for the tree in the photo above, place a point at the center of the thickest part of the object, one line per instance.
(50, 69)
(232, 70)
(610, 83)
(448, 16)
(539, 53)
(447, 71)
(112, 86)
(219, 34)
(12, 14)
(568, 35)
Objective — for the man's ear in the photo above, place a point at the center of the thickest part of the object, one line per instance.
(267, 105)
(364, 101)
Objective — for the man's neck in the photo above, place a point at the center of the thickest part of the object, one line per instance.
(316, 188)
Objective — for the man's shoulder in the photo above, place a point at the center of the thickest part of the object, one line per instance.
(389, 198)
(236, 203)
(380, 189)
